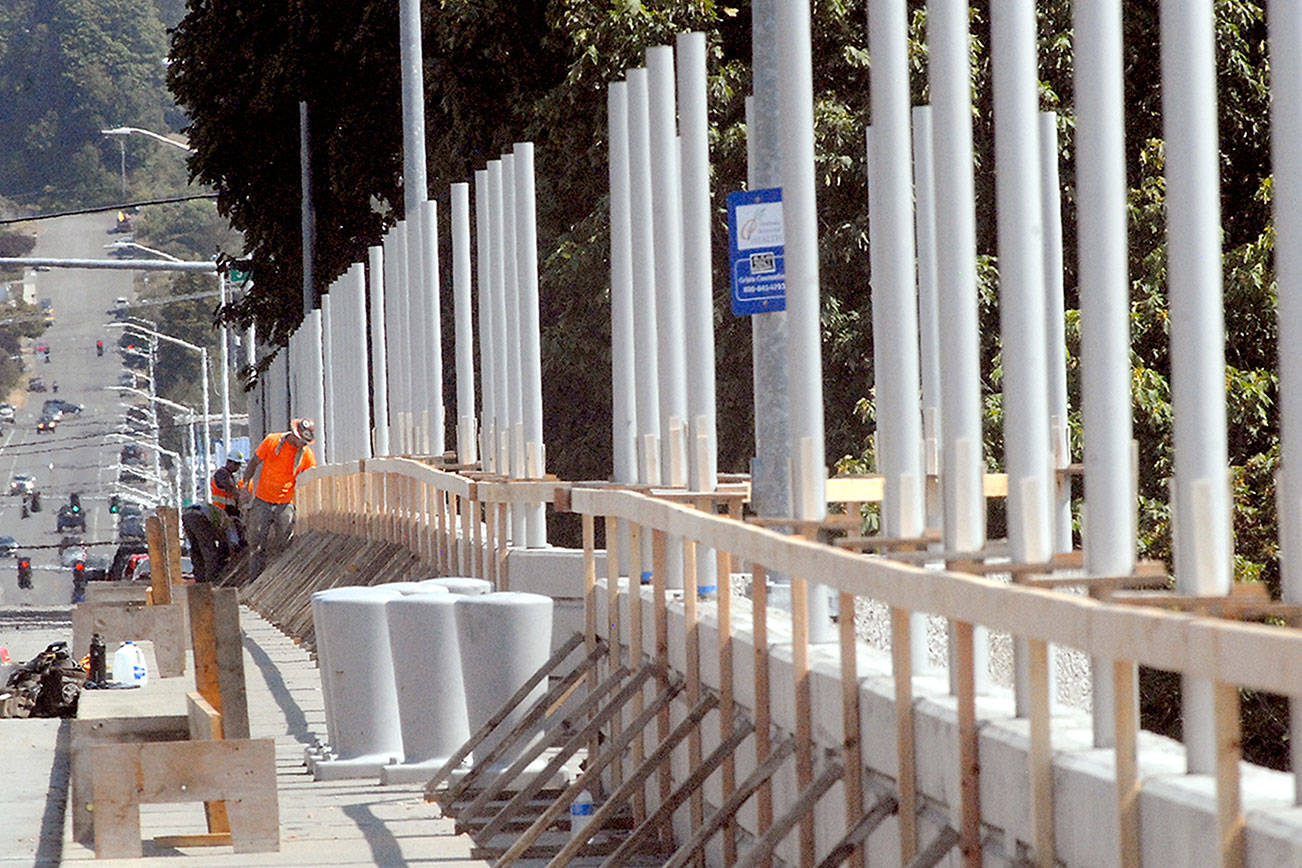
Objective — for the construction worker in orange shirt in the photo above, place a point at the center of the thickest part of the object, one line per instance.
(277, 462)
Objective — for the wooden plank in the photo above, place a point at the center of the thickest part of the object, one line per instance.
(727, 694)
(241, 772)
(804, 710)
(659, 580)
(701, 771)
(476, 543)
(206, 725)
(802, 808)
(692, 628)
(200, 839)
(636, 654)
(501, 714)
(851, 749)
(90, 731)
(1125, 727)
(503, 546)
(853, 840)
(568, 749)
(162, 588)
(613, 630)
(632, 785)
(969, 768)
(116, 622)
(1229, 808)
(727, 812)
(172, 541)
(906, 782)
(1041, 752)
(763, 706)
(219, 654)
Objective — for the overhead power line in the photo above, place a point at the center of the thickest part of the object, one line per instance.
(121, 206)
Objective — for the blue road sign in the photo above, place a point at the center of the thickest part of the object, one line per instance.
(755, 252)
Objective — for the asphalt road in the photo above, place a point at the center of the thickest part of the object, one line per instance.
(77, 457)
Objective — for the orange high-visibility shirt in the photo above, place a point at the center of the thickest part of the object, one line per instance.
(281, 465)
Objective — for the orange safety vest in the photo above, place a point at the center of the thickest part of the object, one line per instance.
(220, 497)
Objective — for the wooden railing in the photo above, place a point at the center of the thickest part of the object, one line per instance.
(453, 519)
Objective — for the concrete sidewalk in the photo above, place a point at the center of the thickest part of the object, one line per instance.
(327, 823)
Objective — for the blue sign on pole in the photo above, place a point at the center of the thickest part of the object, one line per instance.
(755, 252)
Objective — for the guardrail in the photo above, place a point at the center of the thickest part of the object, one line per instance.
(455, 519)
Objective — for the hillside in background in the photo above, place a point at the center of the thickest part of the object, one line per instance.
(69, 68)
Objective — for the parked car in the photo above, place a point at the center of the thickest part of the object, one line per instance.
(7, 412)
(36, 384)
(22, 483)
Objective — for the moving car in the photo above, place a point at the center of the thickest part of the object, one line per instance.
(58, 406)
(47, 424)
(131, 527)
(8, 547)
(72, 552)
(70, 520)
(22, 483)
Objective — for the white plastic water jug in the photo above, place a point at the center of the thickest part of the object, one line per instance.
(129, 665)
(581, 812)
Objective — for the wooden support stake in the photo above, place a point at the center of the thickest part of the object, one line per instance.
(1125, 726)
(727, 694)
(692, 627)
(158, 580)
(804, 710)
(476, 543)
(969, 768)
(802, 808)
(851, 750)
(1229, 810)
(503, 548)
(658, 581)
(862, 827)
(635, 651)
(613, 636)
(906, 783)
(172, 541)
(1041, 752)
(763, 707)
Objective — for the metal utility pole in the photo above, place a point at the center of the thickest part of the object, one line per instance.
(309, 212)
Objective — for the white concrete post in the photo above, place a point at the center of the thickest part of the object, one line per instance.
(465, 335)
(895, 311)
(379, 370)
(414, 192)
(433, 328)
(515, 395)
(644, 252)
(417, 338)
(924, 186)
(667, 221)
(526, 258)
(315, 405)
(623, 383)
(800, 220)
(400, 358)
(1285, 22)
(1201, 503)
(962, 458)
(330, 420)
(361, 425)
(1055, 327)
(1027, 457)
(1104, 288)
(484, 275)
(698, 295)
(501, 413)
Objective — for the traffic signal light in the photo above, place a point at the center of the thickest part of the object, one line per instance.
(24, 573)
(113, 503)
(74, 502)
(99, 348)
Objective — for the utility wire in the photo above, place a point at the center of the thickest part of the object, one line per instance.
(122, 206)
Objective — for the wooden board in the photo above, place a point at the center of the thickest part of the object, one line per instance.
(118, 622)
(219, 655)
(240, 772)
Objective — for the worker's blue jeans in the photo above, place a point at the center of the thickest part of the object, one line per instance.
(271, 527)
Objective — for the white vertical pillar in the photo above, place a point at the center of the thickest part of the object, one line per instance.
(329, 420)
(800, 220)
(432, 328)
(465, 333)
(515, 400)
(484, 276)
(1027, 455)
(698, 294)
(415, 402)
(644, 252)
(400, 357)
(1285, 22)
(526, 258)
(666, 216)
(361, 425)
(1104, 290)
(895, 311)
(501, 412)
(1055, 328)
(623, 386)
(924, 185)
(315, 380)
(1201, 502)
(417, 337)
(379, 369)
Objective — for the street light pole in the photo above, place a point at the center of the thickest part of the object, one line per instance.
(226, 370)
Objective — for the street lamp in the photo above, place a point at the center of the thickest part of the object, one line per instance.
(191, 418)
(203, 364)
(121, 133)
